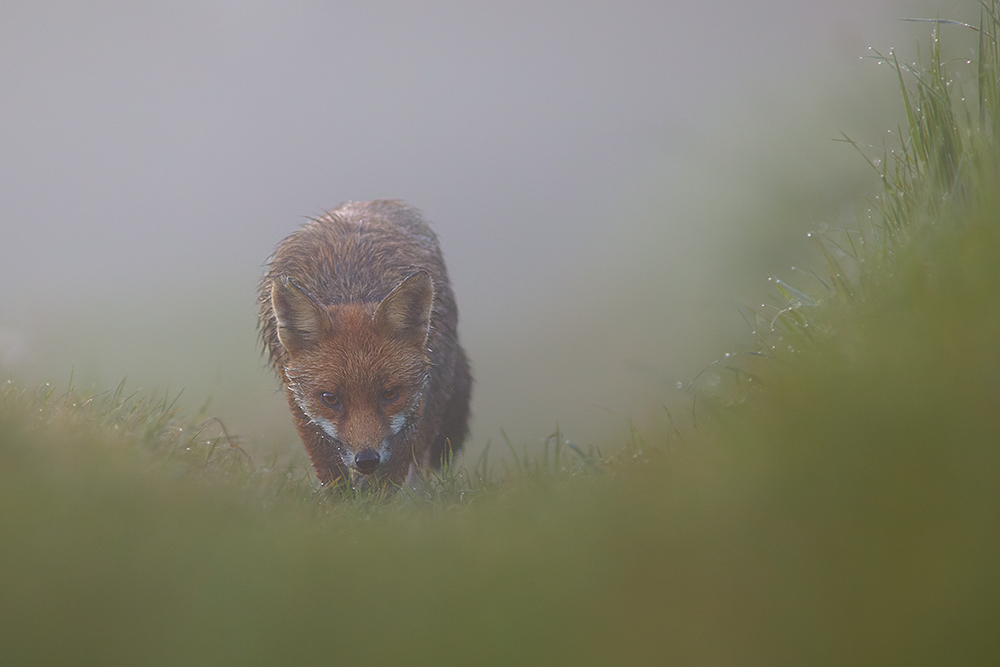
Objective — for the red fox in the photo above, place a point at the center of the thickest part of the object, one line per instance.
(360, 323)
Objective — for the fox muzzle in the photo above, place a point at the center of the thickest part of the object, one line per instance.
(367, 461)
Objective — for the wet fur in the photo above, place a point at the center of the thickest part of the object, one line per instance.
(329, 279)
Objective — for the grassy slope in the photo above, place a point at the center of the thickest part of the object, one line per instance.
(848, 511)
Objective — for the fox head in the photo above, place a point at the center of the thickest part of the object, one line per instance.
(358, 371)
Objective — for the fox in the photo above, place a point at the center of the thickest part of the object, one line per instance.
(359, 321)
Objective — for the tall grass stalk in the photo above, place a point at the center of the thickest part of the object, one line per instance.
(945, 163)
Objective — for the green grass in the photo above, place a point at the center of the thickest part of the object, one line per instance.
(840, 505)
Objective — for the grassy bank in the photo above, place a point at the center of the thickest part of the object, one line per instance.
(840, 506)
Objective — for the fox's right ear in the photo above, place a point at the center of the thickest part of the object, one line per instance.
(297, 315)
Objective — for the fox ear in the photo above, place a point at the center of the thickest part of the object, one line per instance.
(406, 312)
(297, 315)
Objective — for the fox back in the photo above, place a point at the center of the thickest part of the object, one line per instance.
(360, 322)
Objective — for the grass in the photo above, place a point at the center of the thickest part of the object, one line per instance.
(839, 505)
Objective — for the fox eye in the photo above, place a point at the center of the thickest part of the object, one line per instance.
(330, 400)
(390, 394)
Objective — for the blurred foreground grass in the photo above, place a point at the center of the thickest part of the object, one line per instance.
(842, 507)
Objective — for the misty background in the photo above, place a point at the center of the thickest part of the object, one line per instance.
(611, 182)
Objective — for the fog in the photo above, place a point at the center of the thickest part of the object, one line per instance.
(611, 182)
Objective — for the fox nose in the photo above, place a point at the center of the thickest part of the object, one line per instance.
(367, 461)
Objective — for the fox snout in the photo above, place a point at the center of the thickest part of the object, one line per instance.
(365, 458)
(366, 430)
(366, 461)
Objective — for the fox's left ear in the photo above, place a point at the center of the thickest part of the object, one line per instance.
(406, 312)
